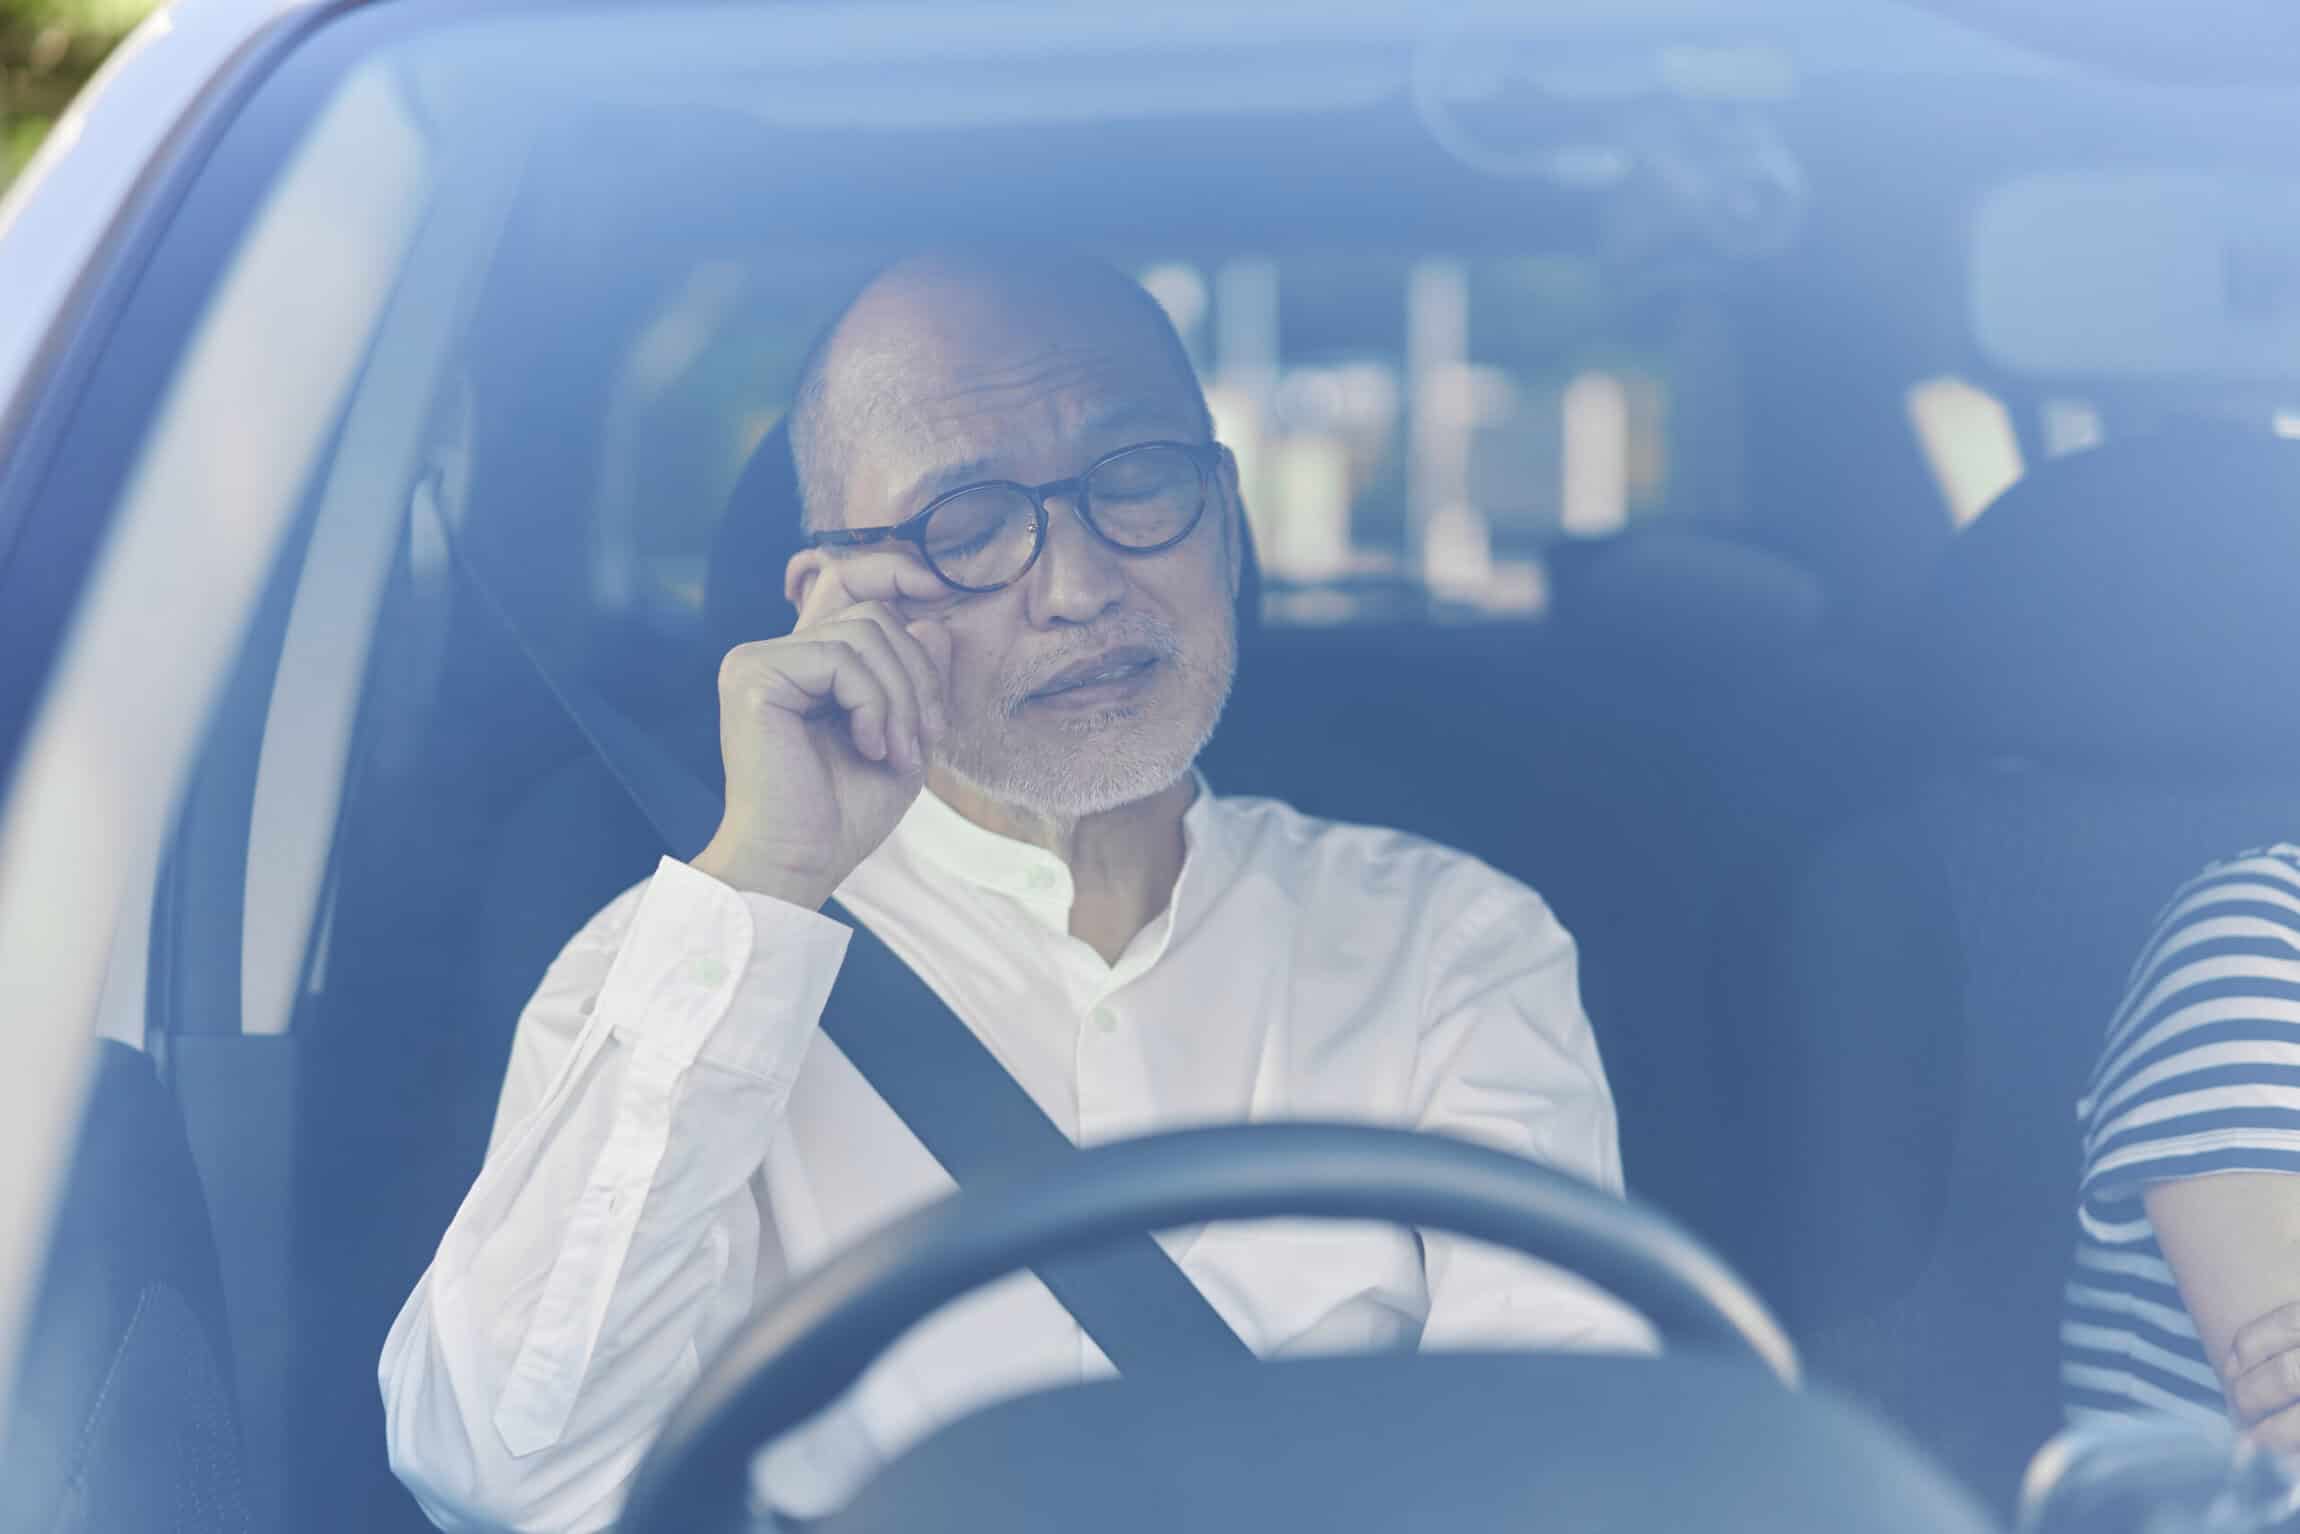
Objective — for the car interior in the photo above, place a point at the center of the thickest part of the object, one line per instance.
(1686, 473)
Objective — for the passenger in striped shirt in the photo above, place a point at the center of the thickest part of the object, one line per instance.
(2185, 1296)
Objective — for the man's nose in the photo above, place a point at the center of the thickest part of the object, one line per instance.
(1077, 578)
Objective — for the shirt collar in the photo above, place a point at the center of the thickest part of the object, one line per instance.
(1207, 855)
(949, 843)
(938, 837)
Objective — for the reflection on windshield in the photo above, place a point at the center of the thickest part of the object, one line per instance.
(1714, 730)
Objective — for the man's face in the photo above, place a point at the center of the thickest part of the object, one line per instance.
(1094, 680)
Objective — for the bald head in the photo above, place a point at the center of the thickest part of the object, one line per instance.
(952, 334)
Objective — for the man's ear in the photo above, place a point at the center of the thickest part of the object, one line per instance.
(799, 577)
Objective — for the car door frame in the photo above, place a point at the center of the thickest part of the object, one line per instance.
(98, 726)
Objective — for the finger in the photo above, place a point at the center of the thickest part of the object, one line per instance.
(2267, 1387)
(876, 645)
(925, 678)
(799, 675)
(2258, 1341)
(884, 574)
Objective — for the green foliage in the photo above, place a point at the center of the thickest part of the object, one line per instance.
(48, 49)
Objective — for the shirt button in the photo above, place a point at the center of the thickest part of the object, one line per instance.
(1041, 880)
(706, 971)
(1105, 1018)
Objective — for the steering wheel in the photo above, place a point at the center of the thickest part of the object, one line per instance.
(820, 1335)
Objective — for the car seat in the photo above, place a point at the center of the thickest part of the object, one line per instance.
(123, 1418)
(2104, 668)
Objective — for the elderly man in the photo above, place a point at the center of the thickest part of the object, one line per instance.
(1015, 633)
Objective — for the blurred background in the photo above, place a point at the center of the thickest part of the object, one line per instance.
(48, 49)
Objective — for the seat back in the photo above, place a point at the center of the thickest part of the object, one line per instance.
(2102, 661)
(123, 1417)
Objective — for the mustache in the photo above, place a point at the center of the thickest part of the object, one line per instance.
(1026, 676)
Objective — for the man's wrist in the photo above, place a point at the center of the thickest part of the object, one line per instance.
(753, 877)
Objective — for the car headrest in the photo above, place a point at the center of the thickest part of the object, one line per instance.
(2135, 606)
(1686, 593)
(759, 532)
(757, 535)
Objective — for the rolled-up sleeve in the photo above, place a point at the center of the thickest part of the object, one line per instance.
(611, 1237)
(1507, 1058)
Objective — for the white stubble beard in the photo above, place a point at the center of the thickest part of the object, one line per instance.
(1106, 762)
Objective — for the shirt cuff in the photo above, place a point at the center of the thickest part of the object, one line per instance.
(709, 973)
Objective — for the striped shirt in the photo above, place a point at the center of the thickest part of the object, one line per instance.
(2201, 1074)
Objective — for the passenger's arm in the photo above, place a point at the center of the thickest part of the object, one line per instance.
(2233, 1240)
(2193, 1119)
(610, 1239)
(1507, 1058)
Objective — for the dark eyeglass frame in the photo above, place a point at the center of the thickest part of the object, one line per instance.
(912, 530)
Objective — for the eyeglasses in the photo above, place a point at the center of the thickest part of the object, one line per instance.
(985, 537)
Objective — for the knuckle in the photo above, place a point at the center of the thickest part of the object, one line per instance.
(856, 630)
(740, 666)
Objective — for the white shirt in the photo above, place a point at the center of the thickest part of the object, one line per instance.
(674, 1138)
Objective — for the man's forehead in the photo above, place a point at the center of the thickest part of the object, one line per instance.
(956, 348)
(993, 396)
(1060, 389)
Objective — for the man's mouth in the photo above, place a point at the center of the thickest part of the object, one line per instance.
(1106, 678)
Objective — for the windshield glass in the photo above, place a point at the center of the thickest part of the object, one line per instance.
(1650, 580)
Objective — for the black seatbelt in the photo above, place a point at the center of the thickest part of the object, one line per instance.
(1139, 1307)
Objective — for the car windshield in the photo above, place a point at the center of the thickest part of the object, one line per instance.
(1797, 491)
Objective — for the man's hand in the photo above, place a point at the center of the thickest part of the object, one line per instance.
(2263, 1371)
(825, 732)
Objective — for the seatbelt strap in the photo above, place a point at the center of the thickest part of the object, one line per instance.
(919, 1056)
(973, 1117)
